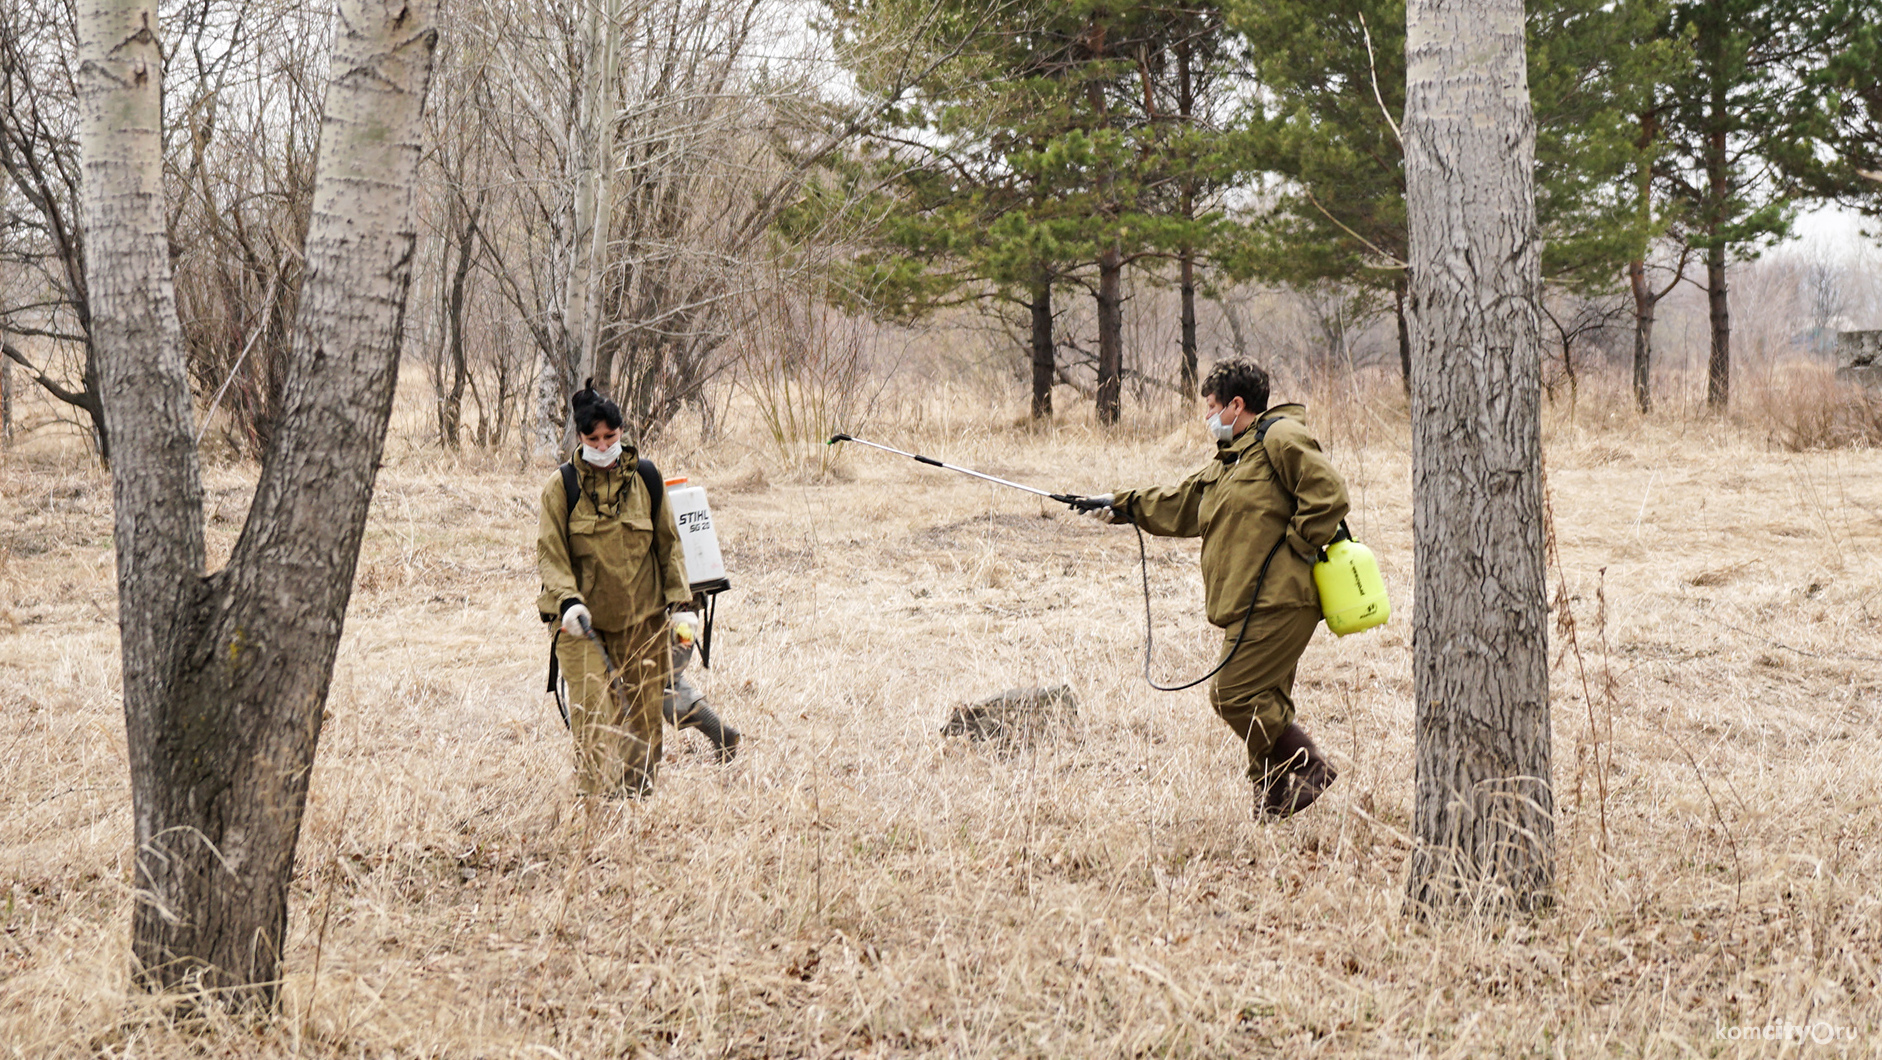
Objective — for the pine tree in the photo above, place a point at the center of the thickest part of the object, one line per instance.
(1844, 115)
(1735, 134)
(1060, 143)
(1336, 76)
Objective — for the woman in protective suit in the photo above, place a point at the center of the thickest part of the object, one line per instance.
(612, 572)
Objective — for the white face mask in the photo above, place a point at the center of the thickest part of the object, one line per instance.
(602, 457)
(1222, 430)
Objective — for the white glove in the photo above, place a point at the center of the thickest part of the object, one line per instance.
(574, 619)
(686, 626)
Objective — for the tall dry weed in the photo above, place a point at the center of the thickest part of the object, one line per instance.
(1808, 409)
(803, 365)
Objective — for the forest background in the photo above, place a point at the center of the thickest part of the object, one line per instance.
(1089, 200)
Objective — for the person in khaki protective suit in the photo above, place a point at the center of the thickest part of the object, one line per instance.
(1271, 499)
(611, 566)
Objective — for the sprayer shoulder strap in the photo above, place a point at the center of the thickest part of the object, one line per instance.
(1261, 428)
(649, 474)
(1261, 439)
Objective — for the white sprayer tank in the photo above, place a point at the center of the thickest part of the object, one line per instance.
(700, 546)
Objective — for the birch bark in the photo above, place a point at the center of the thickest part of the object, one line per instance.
(1484, 811)
(138, 350)
(226, 675)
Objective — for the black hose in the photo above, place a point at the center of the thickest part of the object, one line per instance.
(1143, 562)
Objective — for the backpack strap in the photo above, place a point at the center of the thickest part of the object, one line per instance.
(571, 486)
(656, 486)
(649, 475)
(1261, 428)
(1261, 439)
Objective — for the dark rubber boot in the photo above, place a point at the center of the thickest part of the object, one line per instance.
(1297, 775)
(702, 717)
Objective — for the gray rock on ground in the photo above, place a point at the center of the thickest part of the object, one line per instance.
(1859, 358)
(1017, 714)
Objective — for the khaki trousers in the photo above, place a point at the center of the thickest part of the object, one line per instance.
(616, 723)
(1253, 693)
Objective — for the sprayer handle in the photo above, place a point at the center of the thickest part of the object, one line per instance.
(1087, 504)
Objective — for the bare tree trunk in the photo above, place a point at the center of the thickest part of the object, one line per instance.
(584, 162)
(156, 485)
(1187, 282)
(1044, 353)
(1645, 300)
(605, 119)
(6, 398)
(1644, 305)
(1719, 364)
(554, 382)
(1234, 318)
(460, 240)
(1484, 817)
(1185, 106)
(1718, 190)
(226, 676)
(1110, 334)
(1401, 292)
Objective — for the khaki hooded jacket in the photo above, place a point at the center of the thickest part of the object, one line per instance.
(1243, 501)
(610, 553)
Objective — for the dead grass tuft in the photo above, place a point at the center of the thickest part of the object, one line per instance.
(1812, 410)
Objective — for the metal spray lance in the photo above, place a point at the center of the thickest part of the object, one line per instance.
(1083, 504)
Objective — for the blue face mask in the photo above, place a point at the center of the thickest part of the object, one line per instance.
(602, 457)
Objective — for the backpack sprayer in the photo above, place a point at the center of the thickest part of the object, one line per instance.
(699, 551)
(1352, 594)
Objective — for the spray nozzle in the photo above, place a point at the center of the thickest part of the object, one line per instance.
(835, 438)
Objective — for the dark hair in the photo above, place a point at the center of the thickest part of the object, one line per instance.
(588, 407)
(1237, 378)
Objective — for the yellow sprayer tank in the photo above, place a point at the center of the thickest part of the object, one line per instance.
(1352, 594)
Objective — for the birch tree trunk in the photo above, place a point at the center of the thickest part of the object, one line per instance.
(226, 675)
(1484, 817)
(137, 343)
(586, 148)
(606, 121)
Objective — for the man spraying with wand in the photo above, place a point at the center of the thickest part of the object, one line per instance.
(1267, 506)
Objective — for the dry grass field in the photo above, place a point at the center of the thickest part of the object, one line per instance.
(857, 885)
